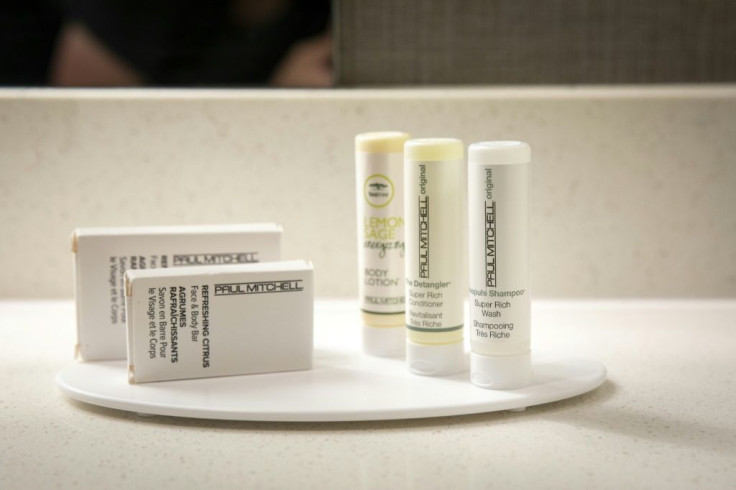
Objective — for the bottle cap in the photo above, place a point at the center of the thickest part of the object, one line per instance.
(435, 360)
(384, 341)
(499, 153)
(383, 334)
(434, 149)
(501, 372)
(381, 142)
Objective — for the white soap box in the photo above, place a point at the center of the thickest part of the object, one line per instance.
(102, 255)
(218, 321)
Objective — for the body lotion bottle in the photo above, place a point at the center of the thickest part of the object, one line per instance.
(435, 281)
(379, 161)
(498, 229)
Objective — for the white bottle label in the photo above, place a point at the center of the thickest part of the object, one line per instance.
(498, 230)
(434, 260)
(380, 206)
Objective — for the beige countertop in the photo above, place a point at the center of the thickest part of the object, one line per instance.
(663, 419)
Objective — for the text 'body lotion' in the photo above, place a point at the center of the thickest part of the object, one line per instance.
(379, 177)
(498, 238)
(434, 197)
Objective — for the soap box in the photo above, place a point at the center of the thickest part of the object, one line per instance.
(102, 255)
(218, 321)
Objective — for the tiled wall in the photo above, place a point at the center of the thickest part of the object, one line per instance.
(410, 42)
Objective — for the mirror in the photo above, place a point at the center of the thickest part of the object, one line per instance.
(186, 43)
(287, 43)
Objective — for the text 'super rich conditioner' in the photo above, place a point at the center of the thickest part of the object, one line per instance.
(435, 278)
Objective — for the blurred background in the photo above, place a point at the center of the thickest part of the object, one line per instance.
(166, 42)
(319, 43)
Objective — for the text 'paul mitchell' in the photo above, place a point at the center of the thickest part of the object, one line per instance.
(490, 225)
(423, 224)
(215, 259)
(286, 286)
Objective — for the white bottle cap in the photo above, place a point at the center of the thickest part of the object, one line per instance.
(383, 334)
(499, 153)
(384, 341)
(435, 360)
(501, 372)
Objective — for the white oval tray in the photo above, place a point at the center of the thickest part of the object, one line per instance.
(344, 385)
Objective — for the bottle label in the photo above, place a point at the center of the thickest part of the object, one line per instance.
(380, 203)
(498, 230)
(434, 260)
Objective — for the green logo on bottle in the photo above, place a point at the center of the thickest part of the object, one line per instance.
(378, 190)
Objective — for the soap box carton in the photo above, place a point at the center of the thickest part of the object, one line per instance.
(102, 255)
(218, 321)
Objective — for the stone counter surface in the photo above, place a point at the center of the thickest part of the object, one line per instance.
(663, 419)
